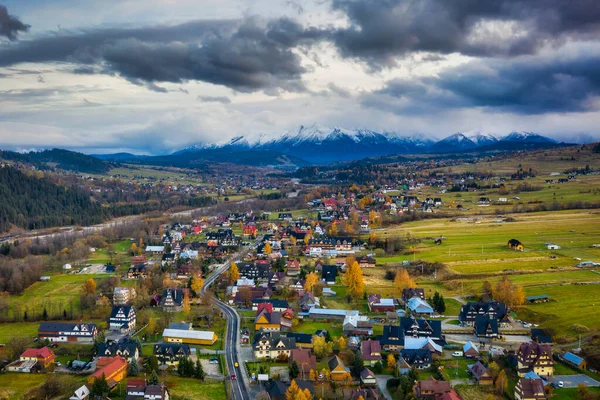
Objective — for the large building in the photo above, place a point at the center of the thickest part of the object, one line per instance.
(170, 353)
(189, 337)
(127, 350)
(535, 357)
(492, 309)
(272, 346)
(122, 318)
(65, 332)
(114, 369)
(122, 295)
(44, 356)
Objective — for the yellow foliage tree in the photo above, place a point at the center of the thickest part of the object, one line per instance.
(89, 286)
(234, 273)
(372, 238)
(326, 374)
(267, 249)
(151, 325)
(293, 240)
(197, 284)
(391, 360)
(509, 293)
(320, 346)
(186, 304)
(333, 231)
(311, 280)
(342, 343)
(501, 382)
(354, 280)
(403, 280)
(312, 375)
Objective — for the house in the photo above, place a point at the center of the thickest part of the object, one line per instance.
(417, 358)
(392, 338)
(137, 389)
(138, 271)
(272, 346)
(172, 300)
(366, 261)
(540, 336)
(268, 321)
(122, 295)
(26, 366)
(402, 367)
(486, 326)
(170, 353)
(541, 298)
(329, 313)
(421, 343)
(305, 359)
(535, 357)
(207, 338)
(80, 394)
(65, 332)
(413, 327)
(551, 246)
(308, 301)
(419, 307)
(379, 305)
(409, 293)
(493, 309)
(277, 389)
(481, 373)
(125, 350)
(371, 352)
(44, 356)
(338, 370)
(293, 268)
(431, 389)
(515, 245)
(367, 377)
(278, 305)
(530, 389)
(574, 360)
(155, 249)
(258, 270)
(329, 274)
(470, 350)
(114, 369)
(357, 325)
(122, 319)
(303, 340)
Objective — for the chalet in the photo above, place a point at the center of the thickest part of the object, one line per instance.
(367, 377)
(44, 356)
(268, 321)
(481, 373)
(574, 360)
(259, 270)
(155, 249)
(413, 327)
(207, 338)
(293, 268)
(122, 295)
(431, 389)
(535, 357)
(515, 245)
(170, 353)
(492, 309)
(168, 258)
(371, 352)
(127, 350)
(114, 369)
(530, 389)
(308, 301)
(357, 325)
(540, 336)
(139, 271)
(272, 346)
(122, 319)
(137, 389)
(425, 343)
(417, 358)
(278, 305)
(338, 370)
(329, 274)
(80, 394)
(470, 350)
(379, 305)
(485, 326)
(172, 300)
(65, 332)
(305, 359)
(409, 293)
(419, 307)
(303, 340)
(366, 261)
(392, 338)
(276, 390)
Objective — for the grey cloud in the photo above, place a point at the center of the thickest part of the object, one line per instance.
(338, 90)
(214, 99)
(10, 26)
(382, 30)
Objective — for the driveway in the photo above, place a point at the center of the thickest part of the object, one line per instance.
(382, 383)
(571, 381)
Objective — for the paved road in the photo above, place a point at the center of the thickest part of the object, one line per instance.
(239, 386)
(382, 382)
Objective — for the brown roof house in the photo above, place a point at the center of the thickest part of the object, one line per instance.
(481, 373)
(371, 352)
(530, 389)
(305, 359)
(535, 357)
(431, 389)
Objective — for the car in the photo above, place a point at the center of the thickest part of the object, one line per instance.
(233, 377)
(561, 384)
(457, 354)
(526, 325)
(235, 364)
(58, 364)
(213, 361)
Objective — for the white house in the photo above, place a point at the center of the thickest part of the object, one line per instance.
(122, 318)
(552, 246)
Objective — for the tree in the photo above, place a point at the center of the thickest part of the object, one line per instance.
(403, 280)
(152, 326)
(267, 249)
(321, 347)
(295, 393)
(501, 382)
(312, 375)
(196, 284)
(133, 369)
(506, 291)
(342, 343)
(378, 367)
(89, 286)
(357, 365)
(311, 280)
(100, 387)
(186, 304)
(391, 361)
(441, 308)
(354, 280)
(294, 370)
(15, 346)
(199, 370)
(234, 273)
(153, 380)
(152, 364)
(487, 287)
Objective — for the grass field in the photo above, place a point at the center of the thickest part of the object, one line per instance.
(188, 389)
(18, 329)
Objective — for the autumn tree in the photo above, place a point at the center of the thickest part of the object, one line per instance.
(295, 393)
(311, 280)
(334, 230)
(186, 304)
(391, 360)
(312, 375)
(403, 280)
(501, 382)
(234, 273)
(321, 347)
(342, 343)
(197, 284)
(89, 286)
(487, 287)
(267, 249)
(354, 280)
(507, 292)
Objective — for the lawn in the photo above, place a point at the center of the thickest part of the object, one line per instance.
(18, 329)
(570, 393)
(450, 368)
(334, 328)
(188, 388)
(16, 385)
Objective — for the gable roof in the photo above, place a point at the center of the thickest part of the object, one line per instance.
(44, 352)
(335, 362)
(572, 358)
(479, 370)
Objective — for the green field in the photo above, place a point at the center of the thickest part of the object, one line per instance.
(188, 388)
(18, 329)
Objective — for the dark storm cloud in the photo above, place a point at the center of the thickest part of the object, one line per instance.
(10, 26)
(531, 85)
(381, 30)
(248, 58)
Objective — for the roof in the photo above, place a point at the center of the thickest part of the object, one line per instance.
(478, 370)
(65, 327)
(432, 384)
(301, 337)
(329, 311)
(538, 297)
(180, 326)
(335, 362)
(572, 358)
(416, 304)
(108, 366)
(38, 353)
(470, 345)
(421, 343)
(532, 388)
(198, 335)
(116, 309)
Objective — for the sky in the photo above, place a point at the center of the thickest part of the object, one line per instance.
(155, 76)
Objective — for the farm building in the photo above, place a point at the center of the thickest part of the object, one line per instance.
(515, 244)
(542, 298)
(574, 360)
(189, 337)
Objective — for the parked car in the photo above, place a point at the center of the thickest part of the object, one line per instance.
(213, 361)
(457, 354)
(561, 384)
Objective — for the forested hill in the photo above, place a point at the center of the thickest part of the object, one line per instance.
(34, 203)
(63, 159)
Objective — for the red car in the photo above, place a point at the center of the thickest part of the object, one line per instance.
(233, 377)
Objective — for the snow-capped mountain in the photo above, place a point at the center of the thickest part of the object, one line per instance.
(481, 138)
(455, 142)
(528, 137)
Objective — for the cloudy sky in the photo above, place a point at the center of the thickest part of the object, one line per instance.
(153, 76)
